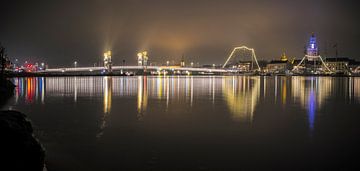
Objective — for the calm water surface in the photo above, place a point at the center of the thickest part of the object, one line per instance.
(194, 123)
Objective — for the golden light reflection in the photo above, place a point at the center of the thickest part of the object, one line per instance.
(302, 87)
(142, 98)
(108, 86)
(354, 88)
(284, 90)
(241, 95)
(107, 94)
(311, 93)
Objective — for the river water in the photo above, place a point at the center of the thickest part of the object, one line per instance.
(193, 122)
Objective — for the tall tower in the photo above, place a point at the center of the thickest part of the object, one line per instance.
(143, 58)
(182, 62)
(312, 54)
(312, 48)
(107, 61)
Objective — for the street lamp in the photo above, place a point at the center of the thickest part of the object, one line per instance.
(167, 63)
(75, 64)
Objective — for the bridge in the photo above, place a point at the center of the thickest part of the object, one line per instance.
(138, 68)
(142, 66)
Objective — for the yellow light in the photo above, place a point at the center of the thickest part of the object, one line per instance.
(139, 55)
(145, 53)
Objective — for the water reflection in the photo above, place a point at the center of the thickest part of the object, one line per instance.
(142, 98)
(311, 93)
(108, 86)
(241, 96)
(31, 89)
(354, 88)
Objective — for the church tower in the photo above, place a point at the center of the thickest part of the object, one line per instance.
(312, 48)
(284, 57)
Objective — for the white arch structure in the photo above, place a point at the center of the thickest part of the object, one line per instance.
(253, 56)
(311, 58)
(357, 70)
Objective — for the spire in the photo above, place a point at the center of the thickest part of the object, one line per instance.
(312, 48)
(283, 57)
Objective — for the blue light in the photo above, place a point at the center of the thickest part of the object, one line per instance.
(311, 110)
(312, 49)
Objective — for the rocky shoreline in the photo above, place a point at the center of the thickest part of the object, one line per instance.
(20, 150)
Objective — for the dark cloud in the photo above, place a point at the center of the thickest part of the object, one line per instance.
(60, 32)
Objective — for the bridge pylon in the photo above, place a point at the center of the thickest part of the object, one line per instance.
(107, 61)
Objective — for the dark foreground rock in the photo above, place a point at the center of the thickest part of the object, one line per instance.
(6, 90)
(19, 149)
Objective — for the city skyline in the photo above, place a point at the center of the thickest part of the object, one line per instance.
(60, 33)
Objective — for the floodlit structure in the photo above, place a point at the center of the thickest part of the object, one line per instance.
(107, 61)
(142, 58)
(312, 55)
(244, 49)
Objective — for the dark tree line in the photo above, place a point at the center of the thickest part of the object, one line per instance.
(3, 60)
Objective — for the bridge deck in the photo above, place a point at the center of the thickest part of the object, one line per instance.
(155, 68)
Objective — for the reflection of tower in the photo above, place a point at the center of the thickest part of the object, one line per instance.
(107, 94)
(142, 96)
(107, 87)
(311, 93)
(143, 58)
(107, 61)
(312, 55)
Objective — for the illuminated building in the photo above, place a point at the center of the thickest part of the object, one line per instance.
(338, 65)
(278, 66)
(342, 65)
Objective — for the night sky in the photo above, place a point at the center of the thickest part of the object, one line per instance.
(205, 31)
